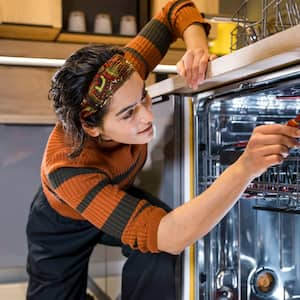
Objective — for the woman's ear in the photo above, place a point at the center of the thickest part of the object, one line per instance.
(91, 131)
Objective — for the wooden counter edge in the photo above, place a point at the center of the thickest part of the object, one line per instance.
(244, 63)
(27, 119)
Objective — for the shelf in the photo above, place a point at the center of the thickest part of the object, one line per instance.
(28, 32)
(252, 60)
(48, 33)
(86, 38)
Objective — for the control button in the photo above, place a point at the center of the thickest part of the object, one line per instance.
(265, 282)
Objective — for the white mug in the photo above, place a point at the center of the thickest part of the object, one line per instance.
(103, 24)
(76, 21)
(128, 25)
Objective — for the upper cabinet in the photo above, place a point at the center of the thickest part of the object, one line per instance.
(46, 20)
(30, 19)
(33, 19)
(107, 11)
(31, 12)
(210, 7)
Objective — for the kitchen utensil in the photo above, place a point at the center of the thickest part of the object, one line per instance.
(294, 122)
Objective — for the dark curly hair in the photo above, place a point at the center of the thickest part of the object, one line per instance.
(69, 86)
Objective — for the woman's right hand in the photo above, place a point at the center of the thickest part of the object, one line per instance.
(268, 146)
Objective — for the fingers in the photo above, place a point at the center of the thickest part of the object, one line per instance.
(193, 66)
(268, 146)
(273, 160)
(199, 70)
(180, 68)
(278, 129)
(274, 139)
(212, 57)
(187, 60)
(269, 150)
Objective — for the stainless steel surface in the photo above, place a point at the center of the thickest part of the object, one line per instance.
(226, 278)
(159, 175)
(163, 173)
(275, 16)
(254, 252)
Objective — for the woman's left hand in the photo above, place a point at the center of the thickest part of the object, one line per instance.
(193, 65)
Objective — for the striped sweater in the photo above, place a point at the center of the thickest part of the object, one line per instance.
(92, 186)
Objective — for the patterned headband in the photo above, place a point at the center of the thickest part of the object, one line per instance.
(105, 83)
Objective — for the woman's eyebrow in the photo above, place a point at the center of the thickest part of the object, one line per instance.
(132, 105)
(125, 108)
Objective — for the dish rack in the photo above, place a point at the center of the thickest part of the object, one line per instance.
(278, 189)
(276, 16)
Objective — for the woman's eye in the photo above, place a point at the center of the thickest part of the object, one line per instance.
(128, 114)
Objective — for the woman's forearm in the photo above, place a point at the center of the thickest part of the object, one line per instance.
(195, 37)
(191, 221)
(267, 146)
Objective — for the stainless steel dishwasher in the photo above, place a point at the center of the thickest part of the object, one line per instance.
(254, 252)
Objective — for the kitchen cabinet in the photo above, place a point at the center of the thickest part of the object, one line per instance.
(31, 12)
(43, 20)
(206, 7)
(115, 8)
(47, 20)
(27, 102)
(30, 19)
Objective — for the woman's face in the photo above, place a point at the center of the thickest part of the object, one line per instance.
(129, 118)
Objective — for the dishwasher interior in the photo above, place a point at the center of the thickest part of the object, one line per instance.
(254, 252)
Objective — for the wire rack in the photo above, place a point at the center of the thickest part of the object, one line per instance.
(276, 16)
(279, 187)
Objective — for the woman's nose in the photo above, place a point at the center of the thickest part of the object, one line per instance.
(146, 114)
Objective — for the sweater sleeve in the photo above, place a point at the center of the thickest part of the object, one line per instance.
(148, 48)
(97, 198)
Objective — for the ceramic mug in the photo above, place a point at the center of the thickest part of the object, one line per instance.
(103, 24)
(128, 25)
(76, 21)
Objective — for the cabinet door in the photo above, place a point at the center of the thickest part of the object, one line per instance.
(36, 12)
(208, 7)
(26, 102)
(20, 160)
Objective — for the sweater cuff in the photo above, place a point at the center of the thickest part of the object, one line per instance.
(187, 17)
(153, 230)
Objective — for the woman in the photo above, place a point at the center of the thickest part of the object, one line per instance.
(94, 153)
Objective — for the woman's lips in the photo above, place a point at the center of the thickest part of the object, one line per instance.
(146, 130)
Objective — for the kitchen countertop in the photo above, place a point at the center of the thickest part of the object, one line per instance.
(274, 52)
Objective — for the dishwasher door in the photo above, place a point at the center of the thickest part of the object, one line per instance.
(254, 252)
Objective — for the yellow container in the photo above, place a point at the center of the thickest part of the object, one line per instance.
(221, 42)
